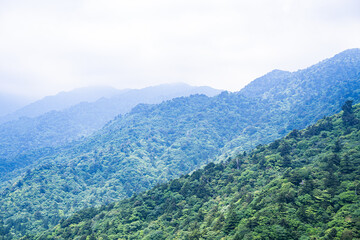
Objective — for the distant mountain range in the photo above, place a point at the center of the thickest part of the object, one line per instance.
(108, 98)
(9, 103)
(56, 128)
(61, 101)
(157, 142)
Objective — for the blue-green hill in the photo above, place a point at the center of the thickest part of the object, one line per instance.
(156, 143)
(303, 186)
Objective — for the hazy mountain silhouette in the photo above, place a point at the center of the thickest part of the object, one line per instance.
(56, 128)
(10, 103)
(61, 101)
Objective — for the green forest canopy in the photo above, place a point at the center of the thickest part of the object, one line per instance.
(303, 186)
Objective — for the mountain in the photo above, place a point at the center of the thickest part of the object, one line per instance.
(303, 186)
(56, 128)
(10, 103)
(306, 95)
(316, 77)
(108, 97)
(61, 101)
(106, 109)
(156, 143)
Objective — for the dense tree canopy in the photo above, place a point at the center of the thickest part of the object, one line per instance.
(314, 196)
(155, 143)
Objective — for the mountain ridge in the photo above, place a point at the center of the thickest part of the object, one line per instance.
(155, 143)
(61, 101)
(11, 102)
(56, 128)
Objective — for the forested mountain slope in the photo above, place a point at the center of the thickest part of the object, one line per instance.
(304, 186)
(320, 89)
(155, 143)
(56, 128)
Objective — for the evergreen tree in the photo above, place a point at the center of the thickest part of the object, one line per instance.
(346, 166)
(231, 221)
(348, 116)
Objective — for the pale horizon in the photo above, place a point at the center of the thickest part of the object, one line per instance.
(50, 47)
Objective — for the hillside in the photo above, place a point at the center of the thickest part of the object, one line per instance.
(57, 128)
(303, 186)
(156, 143)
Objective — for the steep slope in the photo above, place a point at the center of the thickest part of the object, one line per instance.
(304, 186)
(320, 89)
(154, 143)
(314, 85)
(316, 77)
(57, 128)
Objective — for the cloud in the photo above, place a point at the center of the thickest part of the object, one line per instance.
(48, 46)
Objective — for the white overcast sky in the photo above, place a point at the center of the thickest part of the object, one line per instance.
(51, 46)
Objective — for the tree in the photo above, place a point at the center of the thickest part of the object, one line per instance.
(231, 221)
(286, 161)
(347, 107)
(284, 149)
(348, 116)
(337, 146)
(346, 166)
